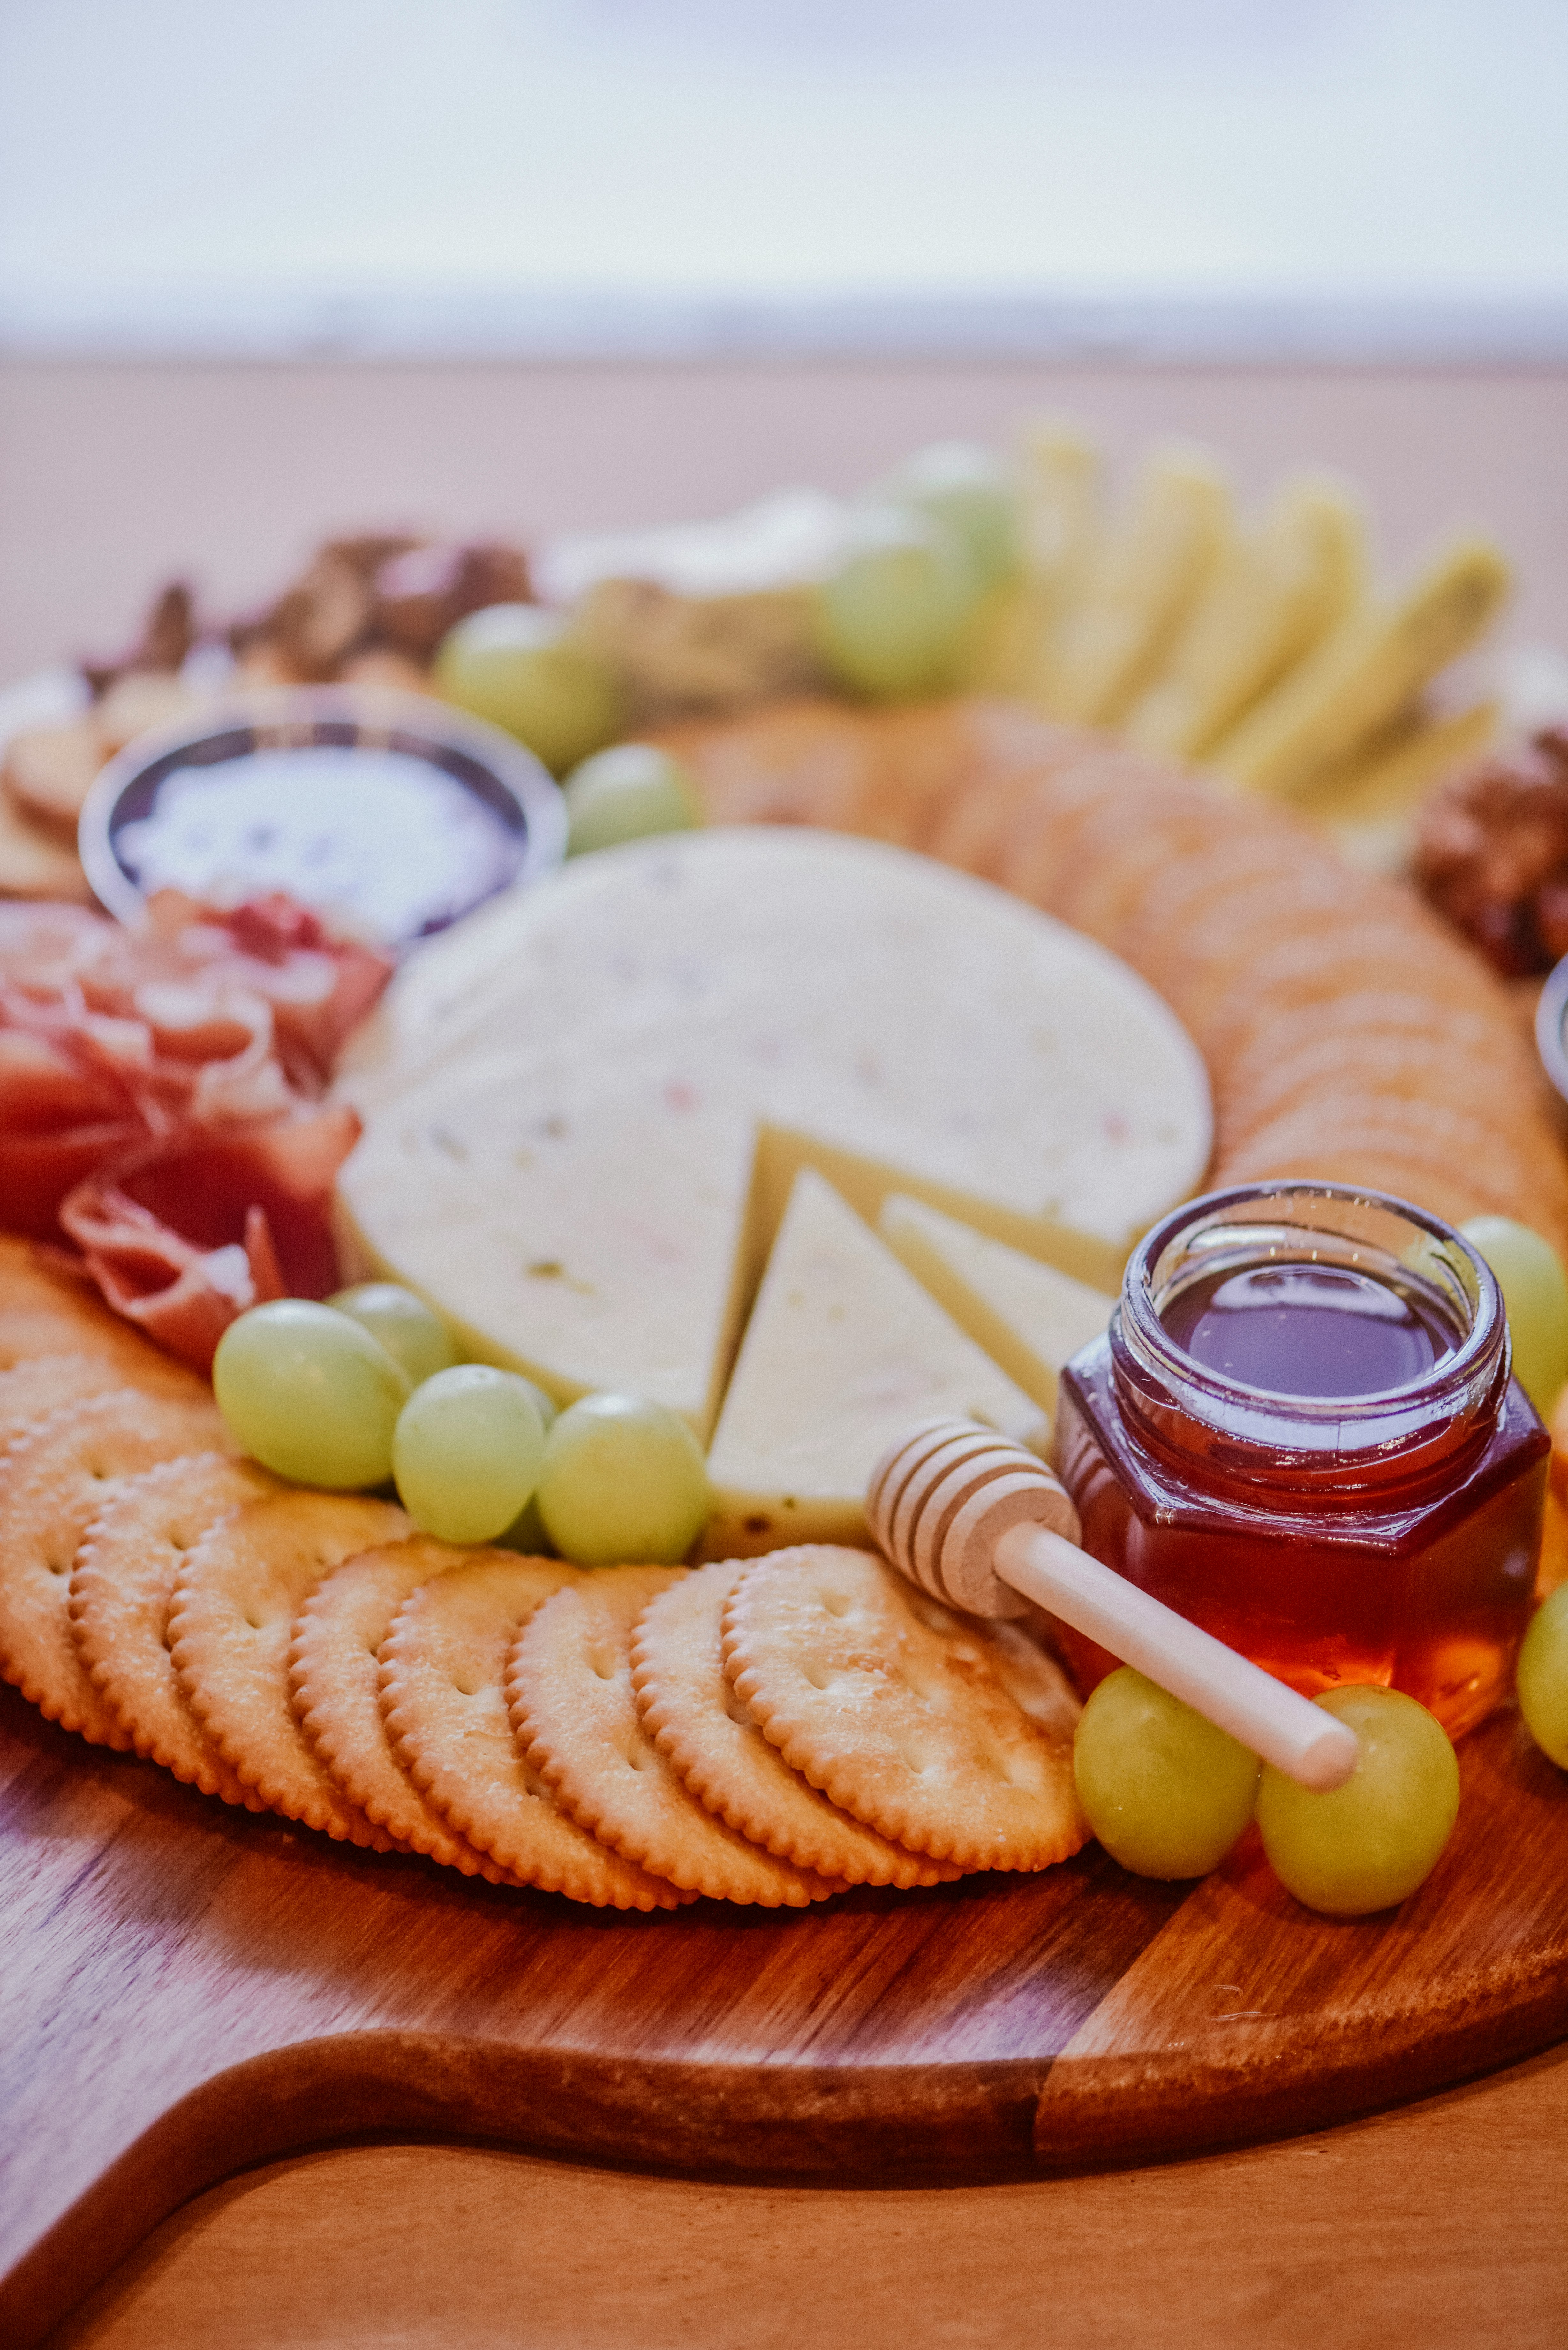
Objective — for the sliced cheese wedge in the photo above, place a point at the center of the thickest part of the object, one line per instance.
(1370, 806)
(585, 1228)
(1028, 1317)
(842, 1351)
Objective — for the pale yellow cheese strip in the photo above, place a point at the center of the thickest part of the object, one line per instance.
(1274, 595)
(844, 1349)
(1363, 677)
(1148, 573)
(1058, 471)
(1029, 1317)
(1369, 807)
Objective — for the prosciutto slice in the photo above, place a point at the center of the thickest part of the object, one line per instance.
(162, 1101)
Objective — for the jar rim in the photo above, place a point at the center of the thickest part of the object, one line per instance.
(1321, 1429)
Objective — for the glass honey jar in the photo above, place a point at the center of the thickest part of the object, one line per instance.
(1300, 1431)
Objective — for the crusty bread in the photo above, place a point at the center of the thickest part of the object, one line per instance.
(1349, 1034)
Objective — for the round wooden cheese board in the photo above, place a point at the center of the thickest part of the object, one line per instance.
(189, 1991)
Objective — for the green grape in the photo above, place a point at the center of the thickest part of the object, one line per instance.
(1543, 1678)
(411, 1333)
(309, 1393)
(1535, 1292)
(467, 1453)
(623, 1480)
(517, 665)
(1167, 1794)
(890, 616)
(549, 1409)
(967, 491)
(1369, 1844)
(624, 793)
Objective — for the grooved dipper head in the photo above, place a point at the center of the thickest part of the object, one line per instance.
(941, 1497)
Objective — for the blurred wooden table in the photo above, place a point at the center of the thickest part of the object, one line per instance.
(1441, 2223)
(115, 476)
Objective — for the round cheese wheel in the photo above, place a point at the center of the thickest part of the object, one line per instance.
(585, 1109)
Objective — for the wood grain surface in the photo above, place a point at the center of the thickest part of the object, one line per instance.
(1438, 2224)
(188, 1990)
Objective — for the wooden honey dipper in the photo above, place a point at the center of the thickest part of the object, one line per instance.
(979, 1523)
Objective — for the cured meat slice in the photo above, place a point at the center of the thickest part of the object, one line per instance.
(161, 1101)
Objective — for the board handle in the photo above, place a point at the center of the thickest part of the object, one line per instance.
(979, 1523)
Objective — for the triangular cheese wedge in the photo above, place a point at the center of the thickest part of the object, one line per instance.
(585, 1229)
(844, 1350)
(1030, 1318)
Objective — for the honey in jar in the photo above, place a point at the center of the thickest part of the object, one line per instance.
(1301, 1431)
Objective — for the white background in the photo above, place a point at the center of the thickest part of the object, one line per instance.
(527, 175)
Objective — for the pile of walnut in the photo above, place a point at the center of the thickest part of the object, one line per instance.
(367, 611)
(1492, 854)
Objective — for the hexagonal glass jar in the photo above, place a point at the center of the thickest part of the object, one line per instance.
(1381, 1526)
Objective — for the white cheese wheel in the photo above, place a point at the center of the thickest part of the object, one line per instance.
(844, 1350)
(1030, 1318)
(590, 1235)
(897, 1024)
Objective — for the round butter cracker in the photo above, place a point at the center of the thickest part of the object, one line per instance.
(706, 1733)
(230, 1621)
(899, 1711)
(442, 1675)
(55, 1482)
(34, 1388)
(335, 1683)
(574, 1711)
(121, 1587)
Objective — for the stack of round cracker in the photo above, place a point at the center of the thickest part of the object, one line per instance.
(1350, 1036)
(765, 1731)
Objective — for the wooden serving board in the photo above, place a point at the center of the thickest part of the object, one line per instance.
(186, 1990)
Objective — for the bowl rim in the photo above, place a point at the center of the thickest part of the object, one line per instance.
(1550, 1015)
(379, 711)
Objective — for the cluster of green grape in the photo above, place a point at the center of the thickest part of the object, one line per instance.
(1169, 1795)
(923, 550)
(368, 1388)
(518, 666)
(892, 618)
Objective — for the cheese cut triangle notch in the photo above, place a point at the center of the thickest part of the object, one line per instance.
(844, 1349)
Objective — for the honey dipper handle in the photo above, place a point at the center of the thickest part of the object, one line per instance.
(1230, 1691)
